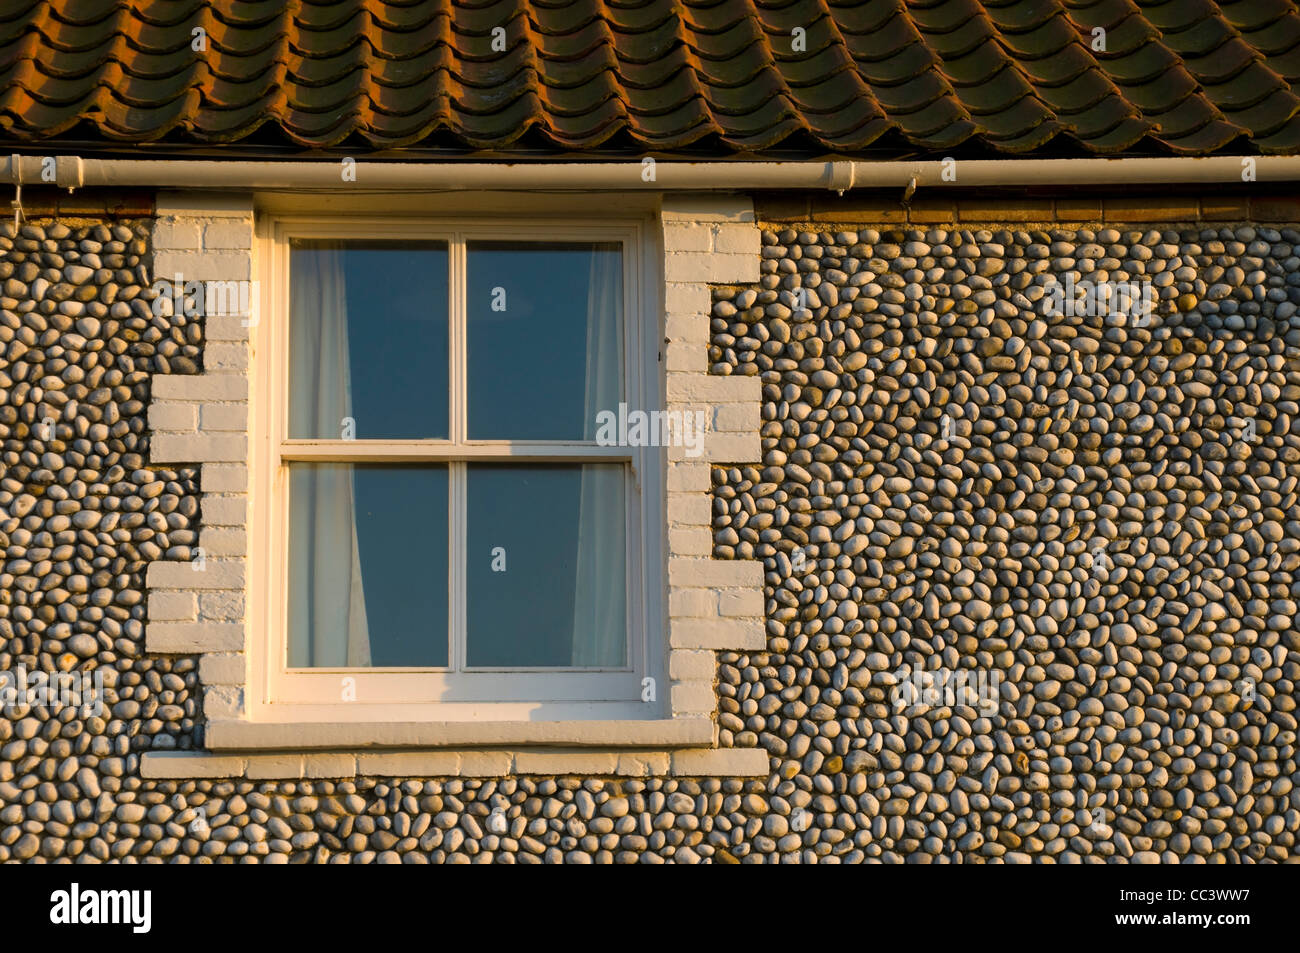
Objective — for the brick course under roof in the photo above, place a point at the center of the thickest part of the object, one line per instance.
(698, 78)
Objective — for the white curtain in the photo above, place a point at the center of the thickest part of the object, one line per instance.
(329, 603)
(599, 618)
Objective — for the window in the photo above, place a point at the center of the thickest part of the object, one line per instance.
(442, 530)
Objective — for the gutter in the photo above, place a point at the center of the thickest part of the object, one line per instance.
(72, 172)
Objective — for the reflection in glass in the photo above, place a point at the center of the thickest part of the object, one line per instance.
(545, 338)
(367, 565)
(547, 566)
(368, 340)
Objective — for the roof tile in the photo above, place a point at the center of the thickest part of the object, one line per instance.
(718, 76)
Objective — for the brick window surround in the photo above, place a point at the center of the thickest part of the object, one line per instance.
(712, 605)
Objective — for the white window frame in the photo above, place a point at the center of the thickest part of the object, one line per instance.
(277, 693)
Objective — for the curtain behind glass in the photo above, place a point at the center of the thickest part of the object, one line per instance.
(599, 616)
(328, 609)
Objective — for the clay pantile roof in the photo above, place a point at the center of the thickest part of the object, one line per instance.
(668, 77)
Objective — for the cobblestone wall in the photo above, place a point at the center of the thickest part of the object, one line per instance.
(941, 462)
(1093, 513)
(81, 516)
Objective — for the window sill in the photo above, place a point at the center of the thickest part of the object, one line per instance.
(241, 735)
(488, 763)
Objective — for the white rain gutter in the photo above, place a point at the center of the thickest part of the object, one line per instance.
(74, 172)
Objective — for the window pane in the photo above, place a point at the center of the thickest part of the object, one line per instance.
(545, 338)
(368, 340)
(367, 566)
(546, 574)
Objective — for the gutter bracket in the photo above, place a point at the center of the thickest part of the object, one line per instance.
(69, 171)
(16, 172)
(840, 175)
(908, 192)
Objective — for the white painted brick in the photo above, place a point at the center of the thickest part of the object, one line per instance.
(688, 328)
(221, 606)
(726, 573)
(737, 417)
(188, 638)
(738, 240)
(710, 268)
(173, 415)
(725, 448)
(222, 510)
(693, 603)
(173, 606)
(697, 584)
(225, 416)
(190, 764)
(228, 234)
(223, 669)
(410, 764)
(713, 268)
(701, 412)
(719, 634)
(223, 701)
(742, 603)
(693, 508)
(693, 697)
(274, 766)
(707, 389)
(225, 355)
(221, 224)
(224, 478)
(329, 766)
(687, 236)
(690, 541)
(197, 448)
(217, 541)
(230, 299)
(486, 764)
(688, 477)
(687, 298)
(735, 269)
(202, 266)
(181, 235)
(686, 357)
(200, 386)
(697, 664)
(565, 762)
(720, 762)
(225, 327)
(215, 574)
(643, 764)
